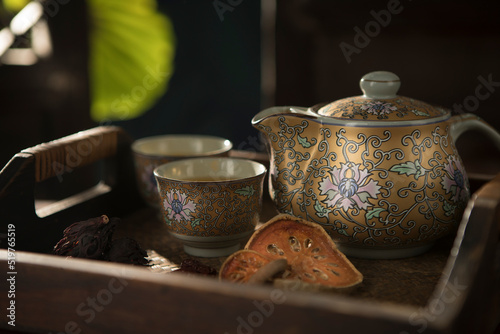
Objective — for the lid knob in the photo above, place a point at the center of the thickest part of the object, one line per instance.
(380, 85)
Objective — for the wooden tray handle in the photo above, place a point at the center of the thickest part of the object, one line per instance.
(115, 194)
(64, 155)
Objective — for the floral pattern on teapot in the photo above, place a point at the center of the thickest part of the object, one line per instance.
(379, 171)
(401, 108)
(368, 186)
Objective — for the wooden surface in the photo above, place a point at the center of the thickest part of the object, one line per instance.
(401, 281)
(453, 288)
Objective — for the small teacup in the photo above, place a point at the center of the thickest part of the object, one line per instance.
(211, 204)
(152, 152)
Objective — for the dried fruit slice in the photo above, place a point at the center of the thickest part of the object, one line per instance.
(311, 254)
(241, 266)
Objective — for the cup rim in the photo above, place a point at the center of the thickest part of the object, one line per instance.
(262, 170)
(227, 145)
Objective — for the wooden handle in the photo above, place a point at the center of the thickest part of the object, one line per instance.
(68, 153)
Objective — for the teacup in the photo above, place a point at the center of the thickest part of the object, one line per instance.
(211, 204)
(151, 152)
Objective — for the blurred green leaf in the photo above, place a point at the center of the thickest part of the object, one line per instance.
(132, 48)
(14, 6)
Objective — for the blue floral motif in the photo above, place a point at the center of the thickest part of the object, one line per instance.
(454, 181)
(378, 108)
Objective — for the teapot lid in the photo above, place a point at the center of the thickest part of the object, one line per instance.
(380, 102)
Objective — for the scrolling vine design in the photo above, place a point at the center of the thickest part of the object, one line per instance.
(210, 209)
(366, 187)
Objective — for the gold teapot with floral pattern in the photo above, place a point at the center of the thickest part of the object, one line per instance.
(380, 172)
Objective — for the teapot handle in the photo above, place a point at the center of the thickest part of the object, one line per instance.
(465, 122)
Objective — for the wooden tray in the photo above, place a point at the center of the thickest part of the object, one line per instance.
(452, 288)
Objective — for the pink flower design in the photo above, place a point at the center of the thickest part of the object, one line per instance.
(349, 187)
(178, 206)
(454, 181)
(378, 108)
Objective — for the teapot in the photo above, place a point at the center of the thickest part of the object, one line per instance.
(379, 172)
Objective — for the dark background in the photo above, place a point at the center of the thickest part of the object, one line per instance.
(438, 48)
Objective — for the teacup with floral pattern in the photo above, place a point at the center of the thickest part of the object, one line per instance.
(211, 204)
(151, 152)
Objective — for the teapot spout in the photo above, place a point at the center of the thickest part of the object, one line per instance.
(279, 111)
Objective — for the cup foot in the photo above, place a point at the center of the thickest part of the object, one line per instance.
(383, 254)
(214, 246)
(211, 252)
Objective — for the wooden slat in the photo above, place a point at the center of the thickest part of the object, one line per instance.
(470, 287)
(53, 293)
(74, 151)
